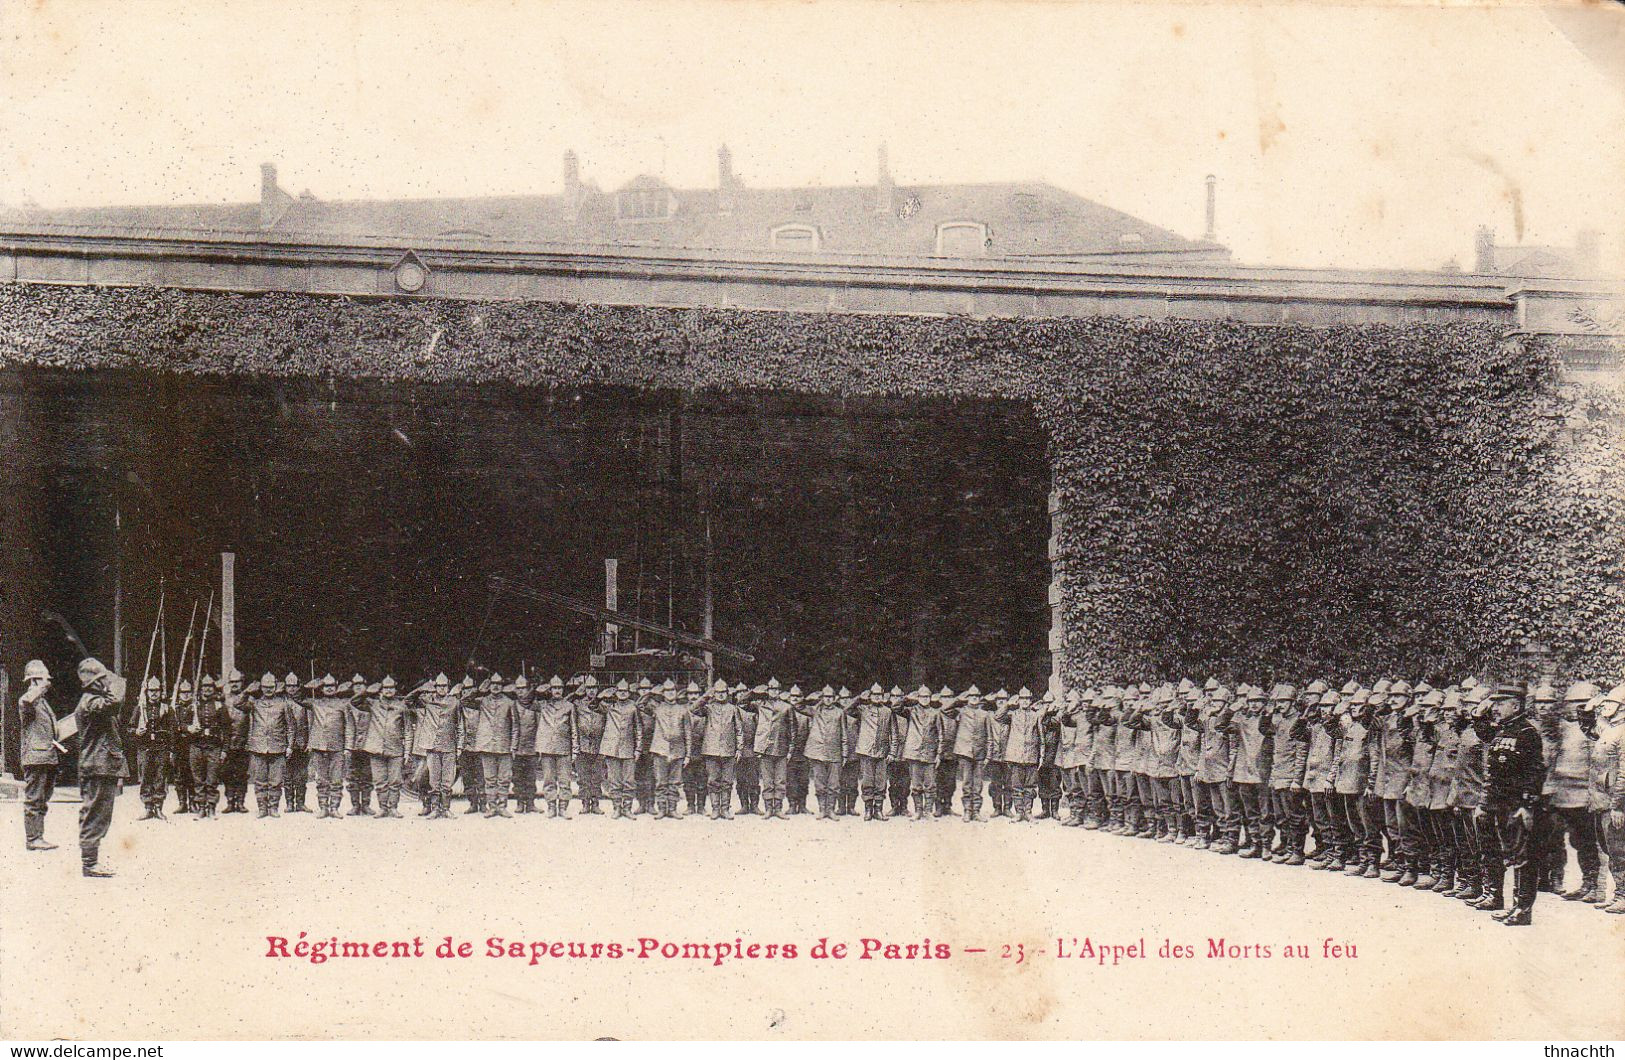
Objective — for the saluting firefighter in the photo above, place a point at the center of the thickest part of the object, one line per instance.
(1419, 826)
(1466, 795)
(1072, 755)
(694, 766)
(798, 771)
(748, 777)
(896, 769)
(723, 733)
(1361, 809)
(618, 746)
(589, 724)
(494, 731)
(666, 717)
(1249, 778)
(1020, 715)
(524, 745)
(270, 738)
(921, 719)
(437, 712)
(851, 766)
(358, 768)
(1608, 784)
(1289, 735)
(874, 714)
(1566, 798)
(1217, 822)
(385, 744)
(298, 773)
(1319, 777)
(153, 737)
(40, 753)
(1105, 809)
(1392, 758)
(555, 746)
(101, 759)
(774, 717)
(468, 759)
(826, 753)
(234, 768)
(969, 750)
(1436, 717)
(328, 723)
(643, 770)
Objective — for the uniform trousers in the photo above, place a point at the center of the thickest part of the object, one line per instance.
(947, 774)
(1022, 781)
(1099, 792)
(774, 773)
(441, 767)
(328, 769)
(358, 775)
(970, 780)
(797, 776)
(922, 778)
(622, 780)
(95, 814)
(298, 777)
(266, 771)
(151, 760)
(1211, 802)
(1362, 816)
(496, 767)
(234, 772)
(386, 776)
(524, 777)
(748, 777)
(1514, 833)
(1580, 824)
(38, 784)
(1418, 837)
(1327, 818)
(1252, 810)
(1464, 839)
(590, 776)
(719, 780)
(1393, 830)
(668, 774)
(826, 782)
(205, 761)
(554, 774)
(872, 777)
(1074, 788)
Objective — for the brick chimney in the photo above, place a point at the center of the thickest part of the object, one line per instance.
(885, 188)
(1484, 249)
(274, 202)
(572, 182)
(1211, 233)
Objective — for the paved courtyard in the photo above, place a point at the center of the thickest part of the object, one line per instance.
(176, 945)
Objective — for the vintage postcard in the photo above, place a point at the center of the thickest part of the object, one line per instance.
(848, 519)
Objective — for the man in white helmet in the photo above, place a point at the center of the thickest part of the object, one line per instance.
(40, 753)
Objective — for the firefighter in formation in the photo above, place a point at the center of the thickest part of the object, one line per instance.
(1441, 789)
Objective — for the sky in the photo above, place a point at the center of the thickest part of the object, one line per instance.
(1359, 136)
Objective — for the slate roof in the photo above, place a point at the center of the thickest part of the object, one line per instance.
(1023, 219)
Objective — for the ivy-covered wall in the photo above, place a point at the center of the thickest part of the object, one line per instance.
(1235, 499)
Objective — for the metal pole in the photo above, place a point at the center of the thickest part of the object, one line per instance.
(118, 589)
(710, 658)
(228, 614)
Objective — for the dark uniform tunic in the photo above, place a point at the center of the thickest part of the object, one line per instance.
(101, 765)
(39, 761)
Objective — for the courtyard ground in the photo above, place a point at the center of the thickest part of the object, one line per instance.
(176, 946)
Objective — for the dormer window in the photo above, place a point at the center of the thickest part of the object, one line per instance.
(645, 199)
(962, 239)
(796, 237)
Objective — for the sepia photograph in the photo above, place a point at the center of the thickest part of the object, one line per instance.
(765, 521)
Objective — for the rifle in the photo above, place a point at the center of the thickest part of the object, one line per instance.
(180, 672)
(141, 718)
(197, 677)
